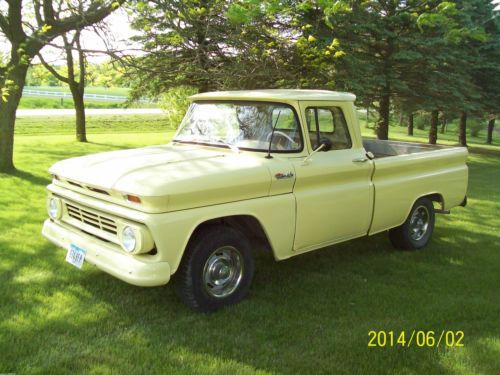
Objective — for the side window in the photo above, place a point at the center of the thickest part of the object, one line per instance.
(328, 123)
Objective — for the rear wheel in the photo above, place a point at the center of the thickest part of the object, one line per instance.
(417, 230)
(216, 270)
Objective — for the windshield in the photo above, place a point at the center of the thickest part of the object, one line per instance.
(242, 125)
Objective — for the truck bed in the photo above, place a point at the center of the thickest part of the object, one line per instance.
(404, 171)
(382, 149)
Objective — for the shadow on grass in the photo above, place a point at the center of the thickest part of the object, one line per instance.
(25, 175)
(110, 146)
(484, 151)
(310, 312)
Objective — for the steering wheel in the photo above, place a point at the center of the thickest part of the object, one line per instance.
(280, 133)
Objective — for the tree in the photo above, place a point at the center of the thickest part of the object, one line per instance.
(39, 76)
(410, 123)
(485, 71)
(76, 86)
(106, 74)
(187, 43)
(210, 45)
(27, 37)
(462, 129)
(491, 127)
(381, 47)
(434, 125)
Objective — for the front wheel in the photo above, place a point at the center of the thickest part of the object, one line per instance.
(417, 230)
(216, 270)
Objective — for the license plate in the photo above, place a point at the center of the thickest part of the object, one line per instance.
(75, 256)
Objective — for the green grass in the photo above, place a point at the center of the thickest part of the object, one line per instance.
(309, 314)
(66, 103)
(58, 125)
(450, 137)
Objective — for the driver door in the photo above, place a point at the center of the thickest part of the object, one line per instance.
(333, 190)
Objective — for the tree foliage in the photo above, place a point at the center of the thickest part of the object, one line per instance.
(207, 44)
(416, 54)
(104, 74)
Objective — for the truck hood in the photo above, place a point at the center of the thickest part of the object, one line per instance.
(180, 176)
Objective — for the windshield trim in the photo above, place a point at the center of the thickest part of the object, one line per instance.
(250, 102)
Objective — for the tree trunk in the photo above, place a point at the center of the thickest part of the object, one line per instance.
(81, 130)
(443, 126)
(462, 128)
(17, 74)
(434, 126)
(410, 123)
(491, 126)
(382, 127)
(7, 121)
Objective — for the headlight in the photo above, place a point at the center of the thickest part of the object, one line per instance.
(129, 239)
(54, 208)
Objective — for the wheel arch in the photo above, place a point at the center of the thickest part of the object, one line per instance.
(433, 197)
(248, 225)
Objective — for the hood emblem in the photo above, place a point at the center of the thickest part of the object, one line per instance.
(280, 176)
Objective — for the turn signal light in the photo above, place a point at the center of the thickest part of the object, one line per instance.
(133, 198)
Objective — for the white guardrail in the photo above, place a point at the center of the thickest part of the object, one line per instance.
(62, 95)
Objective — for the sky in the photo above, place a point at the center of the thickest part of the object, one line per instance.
(120, 30)
(120, 33)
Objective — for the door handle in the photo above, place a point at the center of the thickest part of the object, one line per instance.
(360, 160)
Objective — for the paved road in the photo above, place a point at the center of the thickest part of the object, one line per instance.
(88, 112)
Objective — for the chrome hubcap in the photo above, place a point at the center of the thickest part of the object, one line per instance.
(223, 271)
(419, 223)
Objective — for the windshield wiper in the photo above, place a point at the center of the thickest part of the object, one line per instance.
(233, 147)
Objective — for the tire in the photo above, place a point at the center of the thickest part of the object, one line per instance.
(216, 270)
(417, 230)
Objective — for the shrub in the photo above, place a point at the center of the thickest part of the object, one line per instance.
(175, 103)
(421, 119)
(475, 126)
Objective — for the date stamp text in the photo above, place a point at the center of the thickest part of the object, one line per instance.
(415, 338)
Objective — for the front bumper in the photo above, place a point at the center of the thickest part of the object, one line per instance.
(136, 270)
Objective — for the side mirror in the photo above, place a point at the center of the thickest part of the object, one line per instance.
(327, 144)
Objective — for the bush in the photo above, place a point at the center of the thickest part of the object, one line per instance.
(475, 126)
(421, 119)
(175, 103)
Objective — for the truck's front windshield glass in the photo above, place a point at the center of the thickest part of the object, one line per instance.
(243, 125)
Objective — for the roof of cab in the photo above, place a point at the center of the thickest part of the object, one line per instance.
(276, 95)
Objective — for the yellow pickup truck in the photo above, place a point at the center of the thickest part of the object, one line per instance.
(287, 168)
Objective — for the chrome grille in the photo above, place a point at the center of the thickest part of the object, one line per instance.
(91, 218)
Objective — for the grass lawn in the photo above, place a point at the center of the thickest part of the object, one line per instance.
(310, 314)
(101, 124)
(66, 103)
